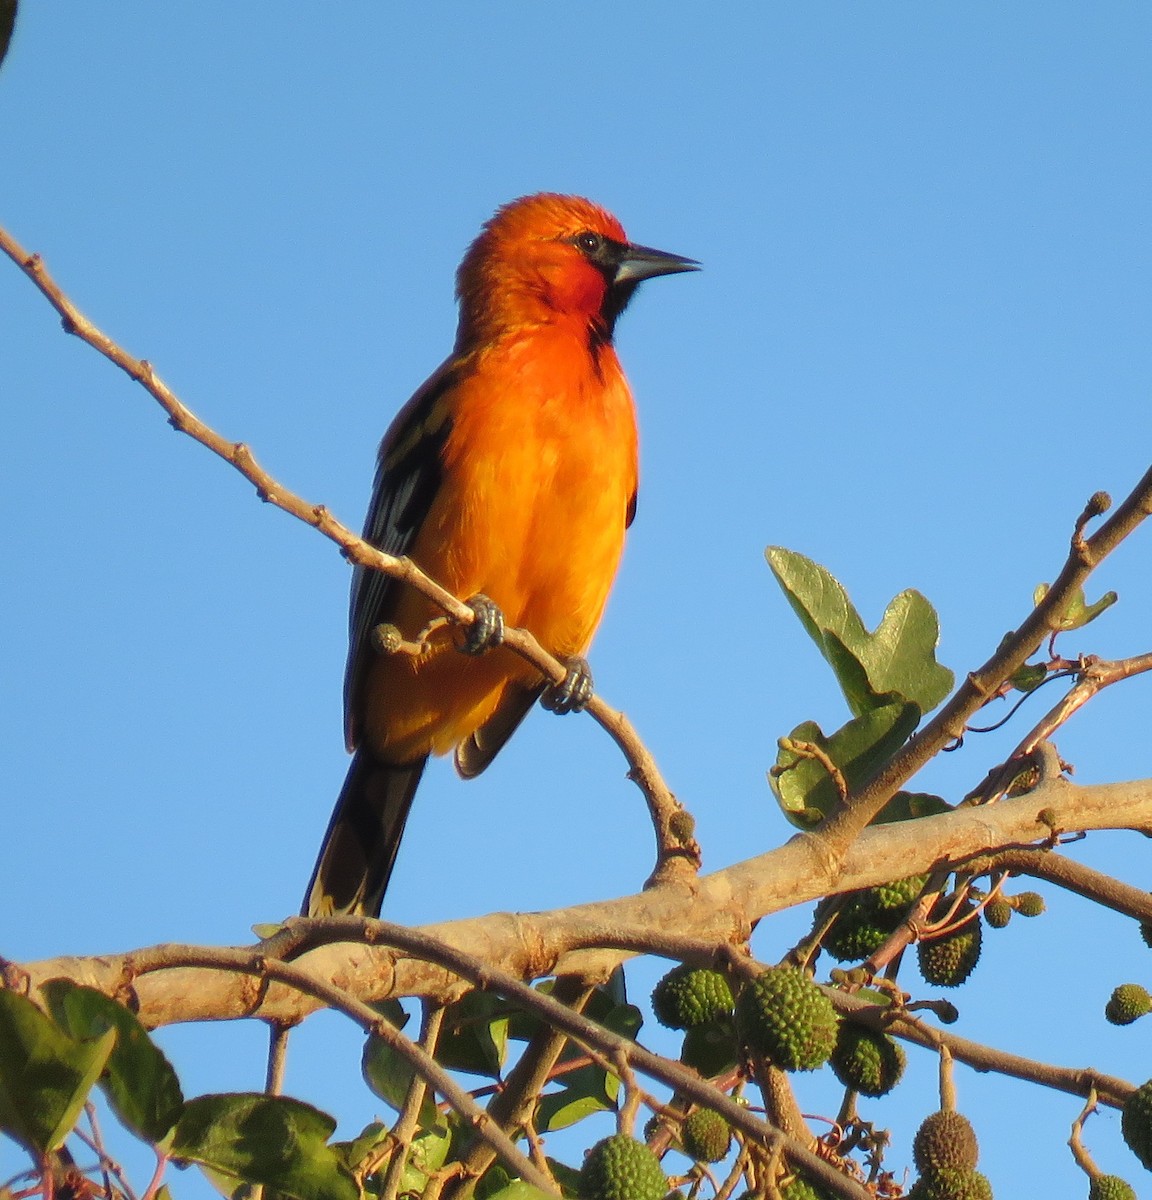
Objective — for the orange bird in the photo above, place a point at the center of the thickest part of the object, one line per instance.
(510, 478)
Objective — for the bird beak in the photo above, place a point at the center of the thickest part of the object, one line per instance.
(642, 262)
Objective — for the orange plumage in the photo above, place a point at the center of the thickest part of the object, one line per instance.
(511, 473)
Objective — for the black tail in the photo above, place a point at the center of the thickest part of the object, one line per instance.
(363, 836)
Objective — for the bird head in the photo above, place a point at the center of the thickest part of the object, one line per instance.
(548, 258)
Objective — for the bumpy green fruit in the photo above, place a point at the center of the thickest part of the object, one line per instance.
(998, 913)
(690, 996)
(946, 1012)
(853, 937)
(945, 1140)
(654, 1123)
(1029, 904)
(621, 1168)
(952, 1183)
(1136, 1123)
(870, 1063)
(900, 893)
(867, 918)
(705, 1135)
(783, 1016)
(947, 961)
(1110, 1187)
(862, 925)
(1128, 1003)
(799, 1188)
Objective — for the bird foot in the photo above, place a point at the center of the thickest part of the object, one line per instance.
(573, 694)
(487, 631)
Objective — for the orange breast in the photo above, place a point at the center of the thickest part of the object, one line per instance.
(539, 469)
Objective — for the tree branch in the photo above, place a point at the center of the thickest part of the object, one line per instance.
(982, 684)
(588, 941)
(1076, 1081)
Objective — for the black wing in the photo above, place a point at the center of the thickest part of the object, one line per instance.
(407, 477)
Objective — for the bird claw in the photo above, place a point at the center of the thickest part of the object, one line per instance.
(487, 631)
(573, 694)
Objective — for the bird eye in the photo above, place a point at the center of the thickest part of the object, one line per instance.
(588, 241)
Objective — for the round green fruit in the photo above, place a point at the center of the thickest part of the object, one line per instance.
(691, 996)
(998, 913)
(945, 1141)
(1029, 904)
(1110, 1187)
(705, 1136)
(799, 1188)
(952, 1183)
(1136, 1123)
(869, 1062)
(947, 961)
(621, 1168)
(785, 1018)
(1128, 1003)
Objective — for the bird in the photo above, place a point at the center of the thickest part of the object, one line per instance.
(510, 478)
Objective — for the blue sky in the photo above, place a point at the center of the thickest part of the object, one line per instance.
(919, 343)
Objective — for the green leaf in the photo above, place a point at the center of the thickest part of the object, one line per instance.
(589, 1089)
(138, 1080)
(1078, 612)
(909, 806)
(1029, 677)
(622, 1019)
(880, 999)
(567, 1177)
(898, 659)
(803, 786)
(492, 1182)
(710, 1048)
(267, 929)
(474, 1035)
(369, 1141)
(583, 1092)
(520, 1191)
(428, 1153)
(271, 1140)
(45, 1075)
(389, 1075)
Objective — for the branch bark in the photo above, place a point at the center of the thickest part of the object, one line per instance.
(588, 941)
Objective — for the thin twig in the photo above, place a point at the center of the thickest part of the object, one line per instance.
(1079, 1152)
(676, 854)
(107, 1165)
(947, 1082)
(1073, 876)
(980, 685)
(409, 1118)
(277, 1057)
(1076, 1081)
(512, 1105)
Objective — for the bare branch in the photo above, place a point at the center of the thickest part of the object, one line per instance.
(677, 853)
(1073, 876)
(1076, 1081)
(409, 1119)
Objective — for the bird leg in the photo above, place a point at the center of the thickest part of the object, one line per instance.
(487, 631)
(574, 692)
